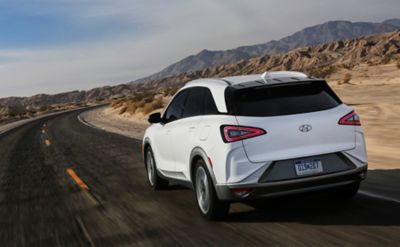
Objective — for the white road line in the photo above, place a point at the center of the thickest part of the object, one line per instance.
(84, 122)
(370, 194)
(89, 124)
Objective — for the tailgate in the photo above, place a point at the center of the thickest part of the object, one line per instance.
(298, 135)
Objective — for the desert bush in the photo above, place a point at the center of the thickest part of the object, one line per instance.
(117, 103)
(131, 107)
(45, 108)
(322, 72)
(346, 78)
(145, 95)
(170, 91)
(386, 59)
(398, 64)
(157, 103)
(122, 110)
(348, 66)
(14, 111)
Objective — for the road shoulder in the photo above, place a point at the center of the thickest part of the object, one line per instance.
(103, 118)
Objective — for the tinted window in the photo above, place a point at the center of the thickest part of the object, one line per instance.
(194, 104)
(210, 107)
(282, 99)
(175, 109)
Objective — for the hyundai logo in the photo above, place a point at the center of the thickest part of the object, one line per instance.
(305, 128)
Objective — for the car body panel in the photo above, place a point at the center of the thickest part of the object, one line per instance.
(184, 138)
(161, 134)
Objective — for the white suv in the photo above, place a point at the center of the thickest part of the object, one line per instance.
(249, 137)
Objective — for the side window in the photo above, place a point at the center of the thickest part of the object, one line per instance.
(194, 104)
(175, 109)
(210, 107)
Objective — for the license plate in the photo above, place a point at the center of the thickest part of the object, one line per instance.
(308, 167)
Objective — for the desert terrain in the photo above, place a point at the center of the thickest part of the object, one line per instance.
(373, 91)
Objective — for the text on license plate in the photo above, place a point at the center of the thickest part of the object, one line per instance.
(308, 167)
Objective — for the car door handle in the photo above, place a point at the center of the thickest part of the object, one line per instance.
(192, 128)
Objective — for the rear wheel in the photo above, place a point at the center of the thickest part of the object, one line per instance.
(208, 203)
(155, 181)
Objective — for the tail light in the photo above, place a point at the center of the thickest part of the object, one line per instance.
(350, 119)
(232, 133)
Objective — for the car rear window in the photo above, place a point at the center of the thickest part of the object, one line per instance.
(278, 100)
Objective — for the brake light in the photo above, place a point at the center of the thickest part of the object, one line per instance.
(232, 133)
(351, 118)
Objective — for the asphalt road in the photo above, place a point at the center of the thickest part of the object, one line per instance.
(63, 183)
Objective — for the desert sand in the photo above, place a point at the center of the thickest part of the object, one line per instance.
(374, 92)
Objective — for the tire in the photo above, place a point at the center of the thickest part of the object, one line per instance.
(346, 192)
(209, 205)
(156, 182)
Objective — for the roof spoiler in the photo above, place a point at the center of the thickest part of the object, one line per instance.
(281, 74)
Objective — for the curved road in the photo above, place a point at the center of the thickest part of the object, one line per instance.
(63, 183)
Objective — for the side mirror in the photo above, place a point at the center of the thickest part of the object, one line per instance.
(155, 118)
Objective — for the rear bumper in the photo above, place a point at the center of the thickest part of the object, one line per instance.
(294, 186)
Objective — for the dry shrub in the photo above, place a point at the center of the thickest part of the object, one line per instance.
(131, 107)
(117, 103)
(122, 110)
(157, 103)
(322, 72)
(45, 108)
(386, 59)
(141, 102)
(348, 66)
(346, 78)
(170, 91)
(146, 96)
(398, 64)
(14, 111)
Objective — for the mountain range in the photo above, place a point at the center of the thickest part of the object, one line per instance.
(318, 34)
(315, 59)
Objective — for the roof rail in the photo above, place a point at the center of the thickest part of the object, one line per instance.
(280, 74)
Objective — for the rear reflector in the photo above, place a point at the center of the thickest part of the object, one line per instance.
(351, 118)
(210, 162)
(232, 133)
(240, 191)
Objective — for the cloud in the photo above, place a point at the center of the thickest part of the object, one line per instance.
(111, 42)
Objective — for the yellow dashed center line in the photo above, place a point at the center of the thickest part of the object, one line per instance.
(77, 179)
(47, 142)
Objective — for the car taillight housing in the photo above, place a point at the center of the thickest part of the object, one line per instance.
(351, 118)
(233, 133)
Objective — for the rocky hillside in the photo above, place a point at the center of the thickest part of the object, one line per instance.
(23, 107)
(319, 60)
(326, 32)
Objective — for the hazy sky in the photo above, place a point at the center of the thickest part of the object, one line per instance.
(51, 46)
